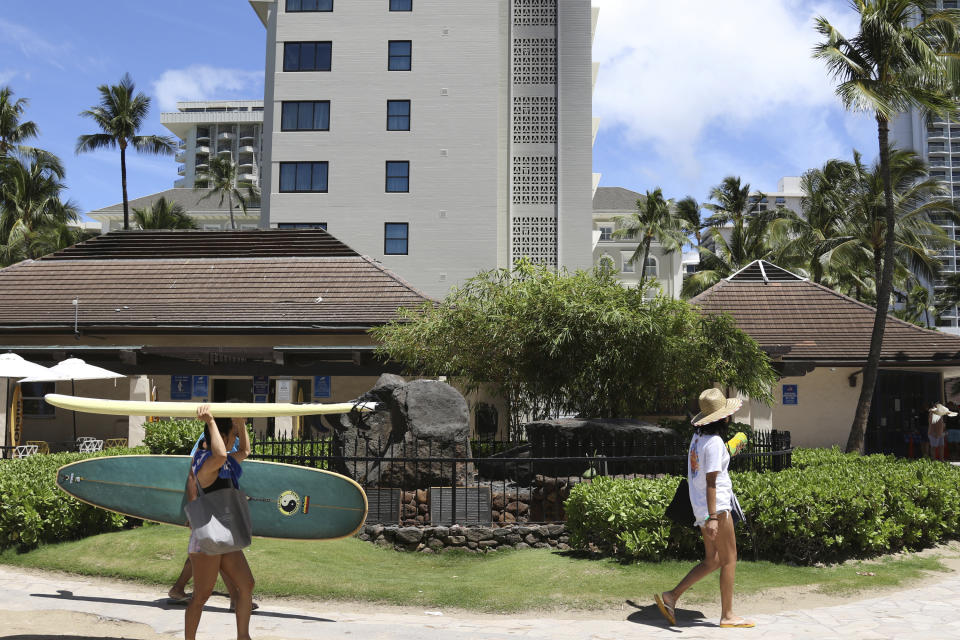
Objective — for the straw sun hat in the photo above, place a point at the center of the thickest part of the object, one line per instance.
(941, 410)
(715, 406)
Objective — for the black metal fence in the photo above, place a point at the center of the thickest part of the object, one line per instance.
(495, 481)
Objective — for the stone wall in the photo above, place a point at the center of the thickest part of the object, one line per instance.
(468, 539)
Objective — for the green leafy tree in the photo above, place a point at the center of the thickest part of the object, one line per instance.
(903, 56)
(13, 131)
(221, 180)
(33, 218)
(163, 214)
(655, 220)
(120, 115)
(560, 343)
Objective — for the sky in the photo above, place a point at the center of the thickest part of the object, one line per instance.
(688, 91)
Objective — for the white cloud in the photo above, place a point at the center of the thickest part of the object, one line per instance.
(673, 72)
(6, 76)
(201, 82)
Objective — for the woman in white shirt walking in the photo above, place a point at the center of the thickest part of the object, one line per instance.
(715, 507)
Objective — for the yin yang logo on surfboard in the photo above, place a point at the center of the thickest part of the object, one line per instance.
(288, 503)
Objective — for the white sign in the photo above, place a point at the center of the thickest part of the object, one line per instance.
(284, 390)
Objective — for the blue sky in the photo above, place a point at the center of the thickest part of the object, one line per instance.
(688, 91)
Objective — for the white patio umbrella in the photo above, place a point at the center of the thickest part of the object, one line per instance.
(74, 369)
(13, 366)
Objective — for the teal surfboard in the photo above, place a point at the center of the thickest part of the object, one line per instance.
(285, 501)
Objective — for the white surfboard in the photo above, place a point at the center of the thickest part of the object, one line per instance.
(189, 409)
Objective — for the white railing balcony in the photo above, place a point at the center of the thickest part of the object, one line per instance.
(938, 150)
(225, 135)
(247, 148)
(247, 177)
(202, 166)
(181, 156)
(181, 170)
(202, 149)
(203, 137)
(225, 152)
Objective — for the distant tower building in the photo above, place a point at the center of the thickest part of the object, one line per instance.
(441, 138)
(223, 128)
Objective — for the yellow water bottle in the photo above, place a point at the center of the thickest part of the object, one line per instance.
(736, 444)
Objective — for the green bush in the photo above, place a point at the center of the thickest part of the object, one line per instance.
(34, 511)
(172, 437)
(829, 507)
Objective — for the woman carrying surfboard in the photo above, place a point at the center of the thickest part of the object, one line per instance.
(215, 469)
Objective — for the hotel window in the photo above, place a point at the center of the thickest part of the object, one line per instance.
(34, 406)
(398, 115)
(399, 54)
(303, 177)
(398, 176)
(651, 271)
(302, 225)
(626, 258)
(306, 116)
(396, 238)
(294, 6)
(606, 263)
(307, 56)
(401, 5)
(606, 233)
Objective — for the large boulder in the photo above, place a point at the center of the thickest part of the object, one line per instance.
(600, 438)
(418, 420)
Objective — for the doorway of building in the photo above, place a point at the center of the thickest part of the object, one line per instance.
(226, 389)
(898, 413)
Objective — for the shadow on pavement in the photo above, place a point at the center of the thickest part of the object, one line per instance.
(649, 614)
(165, 603)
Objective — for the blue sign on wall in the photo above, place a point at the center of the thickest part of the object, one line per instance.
(180, 387)
(200, 386)
(790, 394)
(259, 398)
(261, 385)
(321, 386)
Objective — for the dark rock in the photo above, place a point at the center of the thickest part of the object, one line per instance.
(477, 535)
(441, 532)
(390, 533)
(367, 435)
(563, 546)
(521, 545)
(512, 464)
(423, 509)
(409, 535)
(498, 502)
(435, 544)
(576, 437)
(541, 545)
(472, 545)
(456, 540)
(382, 542)
(409, 511)
(487, 544)
(518, 508)
(365, 537)
(513, 539)
(555, 529)
(531, 539)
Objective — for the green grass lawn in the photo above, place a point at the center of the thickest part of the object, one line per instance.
(499, 582)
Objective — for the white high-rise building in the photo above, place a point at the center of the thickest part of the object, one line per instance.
(225, 128)
(441, 138)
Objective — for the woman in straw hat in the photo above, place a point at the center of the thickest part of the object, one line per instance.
(935, 429)
(714, 506)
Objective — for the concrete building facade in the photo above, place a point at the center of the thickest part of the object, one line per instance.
(439, 138)
(222, 128)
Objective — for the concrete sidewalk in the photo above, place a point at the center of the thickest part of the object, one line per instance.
(27, 599)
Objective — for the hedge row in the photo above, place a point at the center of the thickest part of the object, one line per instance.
(34, 511)
(829, 507)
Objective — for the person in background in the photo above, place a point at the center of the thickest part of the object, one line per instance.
(715, 507)
(936, 429)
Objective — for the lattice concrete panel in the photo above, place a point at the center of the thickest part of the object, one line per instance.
(535, 237)
(534, 61)
(534, 13)
(534, 180)
(534, 120)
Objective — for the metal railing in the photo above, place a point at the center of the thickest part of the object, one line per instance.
(412, 483)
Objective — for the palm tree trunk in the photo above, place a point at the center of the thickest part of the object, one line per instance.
(858, 429)
(233, 225)
(643, 265)
(123, 183)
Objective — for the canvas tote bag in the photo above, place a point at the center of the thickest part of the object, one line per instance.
(220, 520)
(680, 510)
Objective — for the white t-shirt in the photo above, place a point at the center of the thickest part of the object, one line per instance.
(708, 453)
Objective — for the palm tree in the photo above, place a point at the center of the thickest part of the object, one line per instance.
(732, 202)
(221, 180)
(120, 115)
(163, 214)
(12, 131)
(31, 206)
(654, 220)
(860, 243)
(899, 59)
(688, 210)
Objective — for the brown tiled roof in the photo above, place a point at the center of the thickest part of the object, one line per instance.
(243, 279)
(803, 321)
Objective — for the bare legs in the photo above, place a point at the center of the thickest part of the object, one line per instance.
(235, 569)
(720, 553)
(178, 590)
